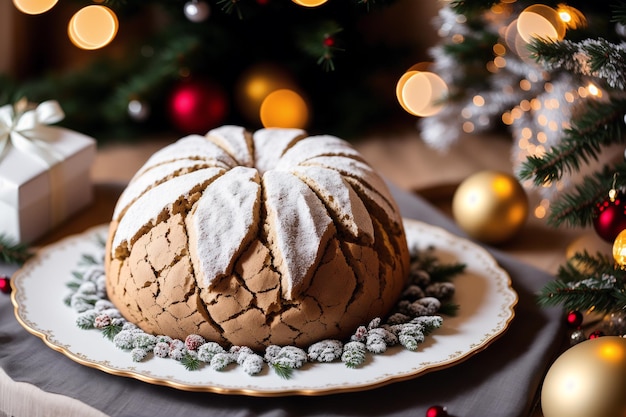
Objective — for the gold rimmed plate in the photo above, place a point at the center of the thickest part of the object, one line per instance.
(483, 292)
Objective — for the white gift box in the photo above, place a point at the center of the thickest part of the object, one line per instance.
(36, 195)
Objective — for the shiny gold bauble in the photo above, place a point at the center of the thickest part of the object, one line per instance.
(619, 249)
(490, 206)
(587, 380)
(255, 84)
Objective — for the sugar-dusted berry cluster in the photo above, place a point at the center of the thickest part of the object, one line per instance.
(417, 313)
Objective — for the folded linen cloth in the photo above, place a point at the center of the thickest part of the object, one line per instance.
(500, 381)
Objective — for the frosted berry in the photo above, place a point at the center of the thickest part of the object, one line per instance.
(5, 284)
(436, 411)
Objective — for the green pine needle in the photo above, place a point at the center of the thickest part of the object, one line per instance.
(111, 331)
(191, 363)
(282, 371)
(443, 273)
(12, 252)
(472, 7)
(87, 259)
(73, 285)
(449, 309)
(619, 13)
(230, 6)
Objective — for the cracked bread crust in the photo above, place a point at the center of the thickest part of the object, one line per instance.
(306, 246)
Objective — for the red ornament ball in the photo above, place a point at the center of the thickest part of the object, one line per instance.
(436, 411)
(329, 41)
(5, 284)
(197, 106)
(596, 334)
(574, 319)
(610, 218)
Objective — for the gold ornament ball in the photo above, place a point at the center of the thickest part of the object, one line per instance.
(587, 380)
(490, 206)
(619, 249)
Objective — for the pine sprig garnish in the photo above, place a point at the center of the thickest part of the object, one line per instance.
(445, 272)
(12, 252)
(449, 309)
(282, 370)
(191, 362)
(111, 330)
(87, 260)
(437, 271)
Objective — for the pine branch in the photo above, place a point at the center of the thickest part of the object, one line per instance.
(619, 13)
(601, 295)
(472, 6)
(230, 6)
(577, 207)
(600, 125)
(12, 252)
(591, 57)
(587, 282)
(315, 42)
(577, 267)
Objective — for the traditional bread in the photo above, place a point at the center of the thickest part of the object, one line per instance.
(255, 239)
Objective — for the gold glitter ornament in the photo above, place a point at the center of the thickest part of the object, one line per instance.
(619, 249)
(490, 206)
(587, 380)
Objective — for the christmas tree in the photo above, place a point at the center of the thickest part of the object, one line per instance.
(554, 76)
(329, 55)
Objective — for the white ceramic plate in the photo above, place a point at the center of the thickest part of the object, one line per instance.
(483, 293)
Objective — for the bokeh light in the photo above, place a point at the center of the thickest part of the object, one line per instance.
(421, 93)
(540, 21)
(34, 6)
(93, 27)
(284, 108)
(256, 83)
(310, 3)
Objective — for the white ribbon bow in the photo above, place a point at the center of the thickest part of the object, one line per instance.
(20, 128)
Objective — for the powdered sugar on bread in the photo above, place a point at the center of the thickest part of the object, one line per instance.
(256, 239)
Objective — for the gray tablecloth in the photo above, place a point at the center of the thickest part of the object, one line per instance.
(501, 380)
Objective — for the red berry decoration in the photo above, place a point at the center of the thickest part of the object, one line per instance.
(610, 218)
(5, 284)
(436, 411)
(574, 319)
(596, 334)
(329, 41)
(197, 106)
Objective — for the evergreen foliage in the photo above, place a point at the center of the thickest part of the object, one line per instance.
(338, 78)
